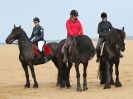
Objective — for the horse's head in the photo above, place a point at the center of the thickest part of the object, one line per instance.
(116, 38)
(14, 35)
(121, 38)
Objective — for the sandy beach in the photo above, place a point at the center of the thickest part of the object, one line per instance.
(12, 79)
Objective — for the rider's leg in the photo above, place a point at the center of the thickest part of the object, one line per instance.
(40, 45)
(100, 41)
(65, 50)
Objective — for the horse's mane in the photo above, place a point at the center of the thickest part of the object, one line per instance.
(113, 35)
(122, 33)
(23, 33)
(84, 43)
(24, 37)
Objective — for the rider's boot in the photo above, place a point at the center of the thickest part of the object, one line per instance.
(65, 59)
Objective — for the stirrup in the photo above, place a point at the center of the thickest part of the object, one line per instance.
(45, 59)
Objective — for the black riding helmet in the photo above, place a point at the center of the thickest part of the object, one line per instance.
(103, 15)
(36, 19)
(74, 13)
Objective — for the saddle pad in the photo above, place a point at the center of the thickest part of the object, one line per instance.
(36, 51)
(47, 50)
(102, 49)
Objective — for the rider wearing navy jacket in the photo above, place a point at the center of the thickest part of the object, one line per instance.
(37, 35)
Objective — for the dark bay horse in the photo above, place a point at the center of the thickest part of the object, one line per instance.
(81, 50)
(27, 56)
(113, 45)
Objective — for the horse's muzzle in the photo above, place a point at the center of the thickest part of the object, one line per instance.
(8, 41)
(122, 47)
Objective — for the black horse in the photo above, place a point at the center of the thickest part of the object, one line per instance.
(80, 50)
(27, 56)
(113, 45)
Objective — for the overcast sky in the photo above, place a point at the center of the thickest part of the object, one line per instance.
(54, 13)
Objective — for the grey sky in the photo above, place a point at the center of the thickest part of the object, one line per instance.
(54, 13)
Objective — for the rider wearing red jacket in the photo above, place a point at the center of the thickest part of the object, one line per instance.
(74, 28)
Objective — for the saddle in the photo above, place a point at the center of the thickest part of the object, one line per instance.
(46, 49)
(67, 50)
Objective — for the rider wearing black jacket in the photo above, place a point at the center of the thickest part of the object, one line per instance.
(103, 28)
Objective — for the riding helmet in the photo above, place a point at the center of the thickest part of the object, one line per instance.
(74, 13)
(36, 19)
(103, 15)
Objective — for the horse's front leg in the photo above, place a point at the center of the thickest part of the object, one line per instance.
(117, 82)
(27, 85)
(33, 75)
(108, 76)
(102, 72)
(58, 79)
(111, 73)
(78, 77)
(85, 87)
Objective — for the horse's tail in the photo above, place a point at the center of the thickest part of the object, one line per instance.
(92, 52)
(102, 71)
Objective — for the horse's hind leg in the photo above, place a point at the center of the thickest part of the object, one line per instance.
(117, 82)
(33, 75)
(27, 85)
(68, 75)
(85, 87)
(54, 60)
(111, 73)
(58, 83)
(78, 78)
(107, 84)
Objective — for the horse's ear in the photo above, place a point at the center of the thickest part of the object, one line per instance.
(14, 26)
(20, 26)
(122, 28)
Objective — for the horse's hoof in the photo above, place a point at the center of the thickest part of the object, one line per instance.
(85, 88)
(27, 86)
(35, 86)
(107, 86)
(102, 82)
(79, 89)
(68, 85)
(112, 83)
(118, 84)
(62, 85)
